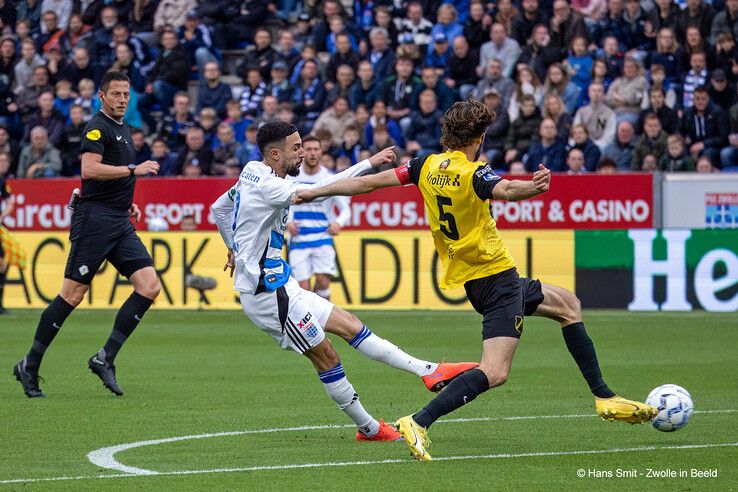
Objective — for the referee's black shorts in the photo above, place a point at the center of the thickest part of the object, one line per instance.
(100, 233)
(504, 299)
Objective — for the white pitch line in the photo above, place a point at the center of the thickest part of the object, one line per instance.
(105, 457)
(382, 462)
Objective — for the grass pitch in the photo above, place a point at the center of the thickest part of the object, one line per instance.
(193, 373)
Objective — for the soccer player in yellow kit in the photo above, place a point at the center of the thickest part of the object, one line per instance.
(457, 190)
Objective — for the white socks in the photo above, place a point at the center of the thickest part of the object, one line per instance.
(338, 387)
(381, 350)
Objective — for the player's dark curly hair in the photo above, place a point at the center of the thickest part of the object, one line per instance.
(273, 133)
(464, 122)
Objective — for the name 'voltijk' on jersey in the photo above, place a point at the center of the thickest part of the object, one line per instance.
(456, 193)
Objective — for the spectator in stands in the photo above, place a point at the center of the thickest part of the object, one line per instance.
(612, 56)
(399, 91)
(87, 98)
(79, 68)
(269, 110)
(382, 140)
(504, 13)
(286, 113)
(30, 12)
(78, 31)
(232, 168)
(26, 65)
(694, 43)
(668, 117)
(621, 151)
(367, 88)
(346, 77)
(379, 117)
(380, 55)
(522, 130)
(253, 93)
(101, 41)
(721, 91)
(565, 25)
(383, 18)
(195, 37)
(557, 82)
(72, 141)
(27, 99)
(527, 84)
(174, 126)
(64, 98)
(705, 165)
(438, 53)
(575, 162)
(39, 159)
(125, 62)
(493, 145)
(8, 59)
(195, 153)
(494, 79)
(607, 166)
(547, 150)
(650, 164)
(553, 107)
(579, 139)
(334, 119)
(476, 26)
(579, 64)
(726, 21)
(635, 41)
(143, 151)
(52, 36)
(170, 14)
(653, 141)
(424, 133)
(416, 26)
(170, 72)
(668, 54)
(528, 18)
(167, 160)
(213, 93)
(279, 86)
(705, 126)
(10, 147)
(142, 20)
(344, 55)
(462, 65)
(303, 30)
(697, 14)
(287, 52)
(235, 119)
(249, 149)
(350, 147)
(225, 147)
(597, 117)
(676, 159)
(208, 121)
(696, 77)
(665, 13)
(499, 47)
(599, 75)
(262, 55)
(625, 94)
(430, 80)
(446, 23)
(539, 53)
(308, 97)
(725, 55)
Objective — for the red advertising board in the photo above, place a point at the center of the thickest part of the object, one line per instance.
(574, 202)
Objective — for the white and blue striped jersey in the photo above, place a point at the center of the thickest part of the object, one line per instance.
(314, 218)
(252, 218)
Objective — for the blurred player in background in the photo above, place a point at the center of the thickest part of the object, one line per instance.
(7, 203)
(252, 218)
(456, 189)
(313, 225)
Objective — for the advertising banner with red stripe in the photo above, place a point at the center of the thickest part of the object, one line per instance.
(623, 201)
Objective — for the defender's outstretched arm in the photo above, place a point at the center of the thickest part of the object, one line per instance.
(348, 187)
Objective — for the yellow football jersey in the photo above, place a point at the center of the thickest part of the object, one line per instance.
(456, 192)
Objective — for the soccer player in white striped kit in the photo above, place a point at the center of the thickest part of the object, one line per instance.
(312, 226)
(252, 218)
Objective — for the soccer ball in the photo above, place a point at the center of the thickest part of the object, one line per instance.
(674, 404)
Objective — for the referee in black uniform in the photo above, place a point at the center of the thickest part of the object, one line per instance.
(101, 230)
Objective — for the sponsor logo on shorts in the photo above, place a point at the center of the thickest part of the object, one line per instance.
(519, 323)
(303, 323)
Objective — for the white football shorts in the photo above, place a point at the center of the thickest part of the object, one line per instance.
(309, 261)
(292, 316)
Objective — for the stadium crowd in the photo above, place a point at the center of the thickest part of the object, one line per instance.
(588, 86)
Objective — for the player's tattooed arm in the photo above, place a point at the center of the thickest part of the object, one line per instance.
(349, 187)
(517, 190)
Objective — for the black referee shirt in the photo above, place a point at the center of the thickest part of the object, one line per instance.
(112, 140)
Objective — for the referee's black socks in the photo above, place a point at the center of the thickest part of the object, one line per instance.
(129, 315)
(48, 326)
(582, 349)
(458, 393)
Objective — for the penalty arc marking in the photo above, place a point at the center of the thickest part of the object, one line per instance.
(105, 457)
